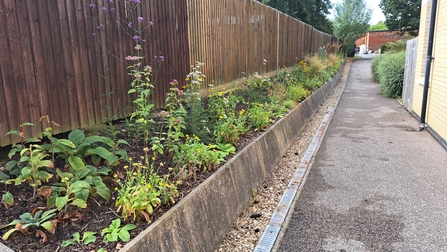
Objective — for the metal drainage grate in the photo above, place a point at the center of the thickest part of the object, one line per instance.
(268, 238)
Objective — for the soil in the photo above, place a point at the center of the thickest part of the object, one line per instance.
(98, 215)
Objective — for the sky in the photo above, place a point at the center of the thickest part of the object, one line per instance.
(374, 5)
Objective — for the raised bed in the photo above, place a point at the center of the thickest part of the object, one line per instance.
(200, 221)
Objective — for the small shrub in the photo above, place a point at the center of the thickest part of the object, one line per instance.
(391, 73)
(315, 65)
(374, 66)
(297, 92)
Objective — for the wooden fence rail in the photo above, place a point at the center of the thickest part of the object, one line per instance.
(66, 59)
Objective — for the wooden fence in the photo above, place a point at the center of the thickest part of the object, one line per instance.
(66, 59)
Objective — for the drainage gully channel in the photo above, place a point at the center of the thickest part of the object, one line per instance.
(268, 238)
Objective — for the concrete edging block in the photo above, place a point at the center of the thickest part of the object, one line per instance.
(200, 221)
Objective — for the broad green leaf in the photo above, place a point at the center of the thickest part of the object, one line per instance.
(3, 176)
(89, 237)
(124, 235)
(103, 191)
(77, 237)
(79, 185)
(76, 163)
(67, 243)
(129, 227)
(10, 165)
(61, 202)
(48, 225)
(13, 132)
(82, 194)
(131, 91)
(79, 203)
(76, 136)
(96, 160)
(66, 142)
(8, 198)
(122, 141)
(104, 153)
(28, 124)
(44, 175)
(82, 173)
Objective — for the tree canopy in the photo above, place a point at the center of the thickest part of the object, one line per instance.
(380, 26)
(351, 20)
(402, 15)
(313, 12)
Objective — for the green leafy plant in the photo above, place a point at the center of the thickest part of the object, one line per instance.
(142, 191)
(31, 163)
(87, 238)
(38, 219)
(7, 200)
(77, 185)
(258, 117)
(229, 130)
(115, 231)
(391, 73)
(80, 145)
(142, 114)
(197, 118)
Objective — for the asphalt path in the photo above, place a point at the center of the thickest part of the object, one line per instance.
(377, 184)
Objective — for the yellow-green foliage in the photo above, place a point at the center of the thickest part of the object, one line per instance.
(315, 65)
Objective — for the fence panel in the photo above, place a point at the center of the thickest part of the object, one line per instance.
(66, 59)
(409, 76)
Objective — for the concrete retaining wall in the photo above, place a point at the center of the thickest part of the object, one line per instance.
(200, 221)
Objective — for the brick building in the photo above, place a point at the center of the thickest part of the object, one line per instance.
(374, 39)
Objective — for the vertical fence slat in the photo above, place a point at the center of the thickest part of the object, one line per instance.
(51, 64)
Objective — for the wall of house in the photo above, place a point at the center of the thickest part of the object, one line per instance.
(374, 39)
(437, 95)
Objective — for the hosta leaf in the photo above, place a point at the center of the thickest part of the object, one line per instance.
(129, 227)
(76, 163)
(104, 153)
(76, 136)
(66, 142)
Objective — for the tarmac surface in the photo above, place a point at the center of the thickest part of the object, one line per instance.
(376, 184)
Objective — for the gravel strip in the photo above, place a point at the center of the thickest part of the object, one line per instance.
(250, 225)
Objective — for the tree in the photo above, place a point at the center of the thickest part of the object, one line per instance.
(312, 12)
(380, 26)
(402, 15)
(351, 20)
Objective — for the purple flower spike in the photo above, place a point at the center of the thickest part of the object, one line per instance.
(98, 27)
(129, 24)
(140, 20)
(104, 8)
(93, 34)
(110, 1)
(136, 37)
(92, 5)
(112, 9)
(79, 8)
(151, 23)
